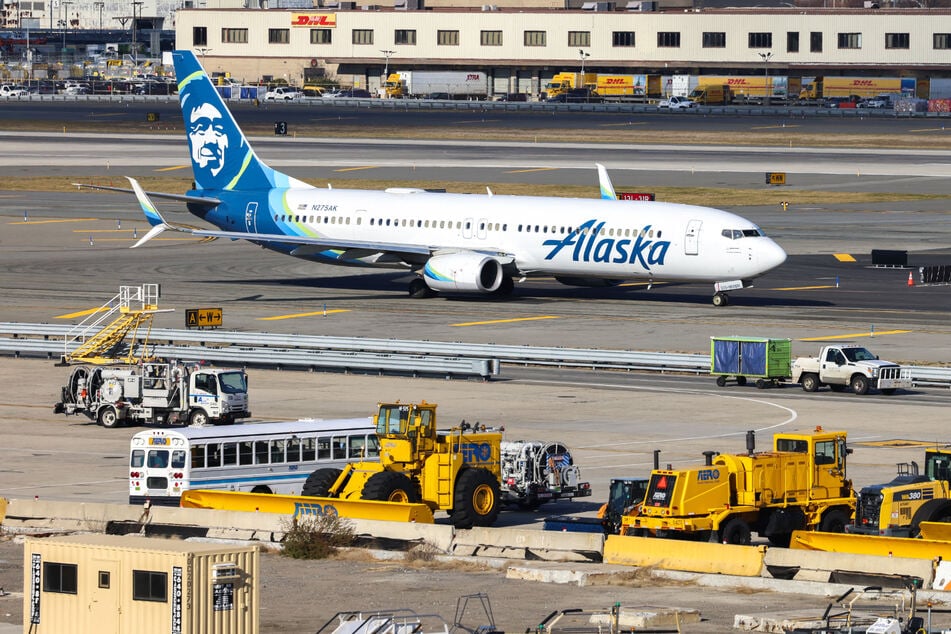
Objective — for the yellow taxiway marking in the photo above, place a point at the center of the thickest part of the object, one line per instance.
(772, 127)
(101, 230)
(928, 130)
(898, 442)
(505, 321)
(46, 222)
(533, 169)
(617, 125)
(183, 239)
(626, 284)
(172, 168)
(82, 313)
(354, 169)
(843, 257)
(296, 315)
(857, 334)
(803, 288)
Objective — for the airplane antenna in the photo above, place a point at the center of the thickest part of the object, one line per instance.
(489, 191)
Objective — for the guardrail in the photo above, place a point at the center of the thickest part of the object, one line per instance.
(279, 350)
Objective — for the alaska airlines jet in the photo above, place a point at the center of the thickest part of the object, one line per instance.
(458, 243)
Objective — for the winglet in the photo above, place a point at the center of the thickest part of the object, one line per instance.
(607, 188)
(151, 213)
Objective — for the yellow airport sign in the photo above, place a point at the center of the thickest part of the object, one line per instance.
(775, 178)
(203, 317)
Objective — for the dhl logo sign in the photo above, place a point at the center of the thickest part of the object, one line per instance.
(327, 20)
(616, 81)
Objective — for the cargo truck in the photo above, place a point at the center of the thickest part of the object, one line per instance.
(160, 393)
(561, 83)
(897, 508)
(800, 485)
(423, 83)
(849, 367)
(711, 94)
(863, 87)
(535, 472)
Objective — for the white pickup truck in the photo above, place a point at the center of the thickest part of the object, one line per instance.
(849, 367)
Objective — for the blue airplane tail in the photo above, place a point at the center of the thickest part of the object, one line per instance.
(222, 158)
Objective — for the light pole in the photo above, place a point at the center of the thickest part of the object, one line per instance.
(135, 27)
(386, 67)
(99, 5)
(584, 56)
(65, 6)
(767, 89)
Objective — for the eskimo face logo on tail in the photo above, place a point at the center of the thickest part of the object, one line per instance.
(590, 246)
(207, 137)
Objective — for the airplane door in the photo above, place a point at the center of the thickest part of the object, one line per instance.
(467, 228)
(251, 217)
(692, 238)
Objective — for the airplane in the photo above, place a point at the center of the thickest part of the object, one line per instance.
(458, 243)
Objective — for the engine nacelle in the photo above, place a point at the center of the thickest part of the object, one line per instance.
(463, 272)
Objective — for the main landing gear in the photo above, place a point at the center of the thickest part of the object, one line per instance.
(721, 299)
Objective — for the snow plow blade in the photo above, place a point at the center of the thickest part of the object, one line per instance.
(302, 506)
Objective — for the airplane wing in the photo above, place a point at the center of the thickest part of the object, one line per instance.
(204, 201)
(160, 224)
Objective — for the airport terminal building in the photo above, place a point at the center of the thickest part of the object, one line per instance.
(521, 48)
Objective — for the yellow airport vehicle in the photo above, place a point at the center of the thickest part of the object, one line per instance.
(300, 506)
(457, 471)
(898, 508)
(800, 484)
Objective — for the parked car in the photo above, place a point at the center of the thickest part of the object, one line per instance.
(882, 101)
(282, 93)
(77, 89)
(355, 93)
(676, 103)
(13, 90)
(513, 96)
(577, 95)
(154, 88)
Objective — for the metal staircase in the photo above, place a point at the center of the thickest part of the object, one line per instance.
(100, 338)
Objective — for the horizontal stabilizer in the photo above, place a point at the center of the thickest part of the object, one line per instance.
(204, 201)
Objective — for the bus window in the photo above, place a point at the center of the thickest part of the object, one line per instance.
(373, 446)
(198, 456)
(138, 458)
(340, 448)
(230, 454)
(214, 454)
(245, 452)
(260, 452)
(309, 449)
(323, 448)
(293, 449)
(277, 451)
(178, 459)
(356, 446)
(158, 459)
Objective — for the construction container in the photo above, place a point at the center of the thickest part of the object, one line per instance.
(766, 360)
(112, 584)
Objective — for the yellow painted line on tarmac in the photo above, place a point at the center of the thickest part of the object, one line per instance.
(47, 222)
(296, 315)
(82, 313)
(897, 442)
(803, 288)
(505, 321)
(618, 125)
(172, 168)
(534, 169)
(843, 257)
(183, 239)
(877, 333)
(101, 230)
(772, 127)
(928, 130)
(355, 169)
(628, 284)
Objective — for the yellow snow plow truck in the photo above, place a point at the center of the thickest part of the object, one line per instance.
(800, 485)
(456, 470)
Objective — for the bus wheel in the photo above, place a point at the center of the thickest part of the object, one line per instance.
(108, 417)
(319, 482)
(262, 489)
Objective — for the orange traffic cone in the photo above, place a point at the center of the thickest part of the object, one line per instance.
(911, 280)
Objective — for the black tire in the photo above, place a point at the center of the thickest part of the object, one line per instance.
(109, 417)
(390, 486)
(934, 511)
(760, 384)
(859, 384)
(319, 482)
(834, 521)
(476, 500)
(810, 382)
(721, 381)
(262, 489)
(735, 531)
(721, 299)
(780, 539)
(198, 418)
(741, 380)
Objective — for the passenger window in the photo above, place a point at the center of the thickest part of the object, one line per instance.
(309, 449)
(230, 454)
(340, 448)
(198, 456)
(261, 455)
(293, 450)
(323, 448)
(214, 455)
(178, 459)
(158, 459)
(373, 446)
(356, 446)
(138, 459)
(277, 451)
(246, 452)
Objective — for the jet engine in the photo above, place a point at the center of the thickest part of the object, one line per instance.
(465, 272)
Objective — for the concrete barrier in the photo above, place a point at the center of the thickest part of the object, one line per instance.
(516, 543)
(814, 565)
(674, 554)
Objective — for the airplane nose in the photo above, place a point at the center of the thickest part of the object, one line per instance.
(773, 255)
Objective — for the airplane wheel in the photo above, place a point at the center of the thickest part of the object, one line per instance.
(721, 299)
(418, 289)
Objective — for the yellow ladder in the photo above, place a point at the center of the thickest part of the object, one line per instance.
(131, 310)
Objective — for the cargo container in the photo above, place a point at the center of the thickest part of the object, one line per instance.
(766, 360)
(112, 584)
(825, 87)
(423, 83)
(750, 87)
(629, 87)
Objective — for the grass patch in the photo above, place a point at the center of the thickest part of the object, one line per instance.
(707, 196)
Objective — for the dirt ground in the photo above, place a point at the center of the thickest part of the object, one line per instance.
(300, 596)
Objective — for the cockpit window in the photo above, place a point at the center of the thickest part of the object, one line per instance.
(736, 234)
